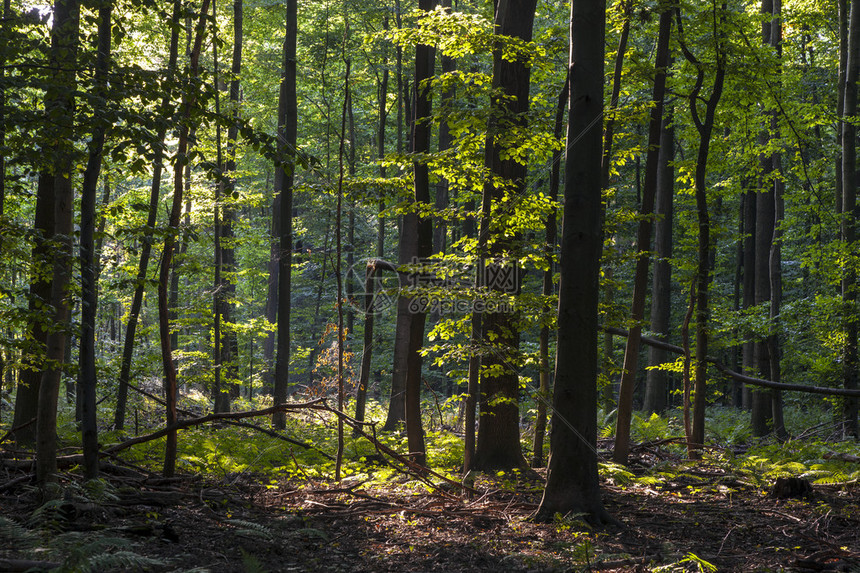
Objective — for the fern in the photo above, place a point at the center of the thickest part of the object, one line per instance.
(251, 564)
(121, 560)
(15, 535)
(252, 529)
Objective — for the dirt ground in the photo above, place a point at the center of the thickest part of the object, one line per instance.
(700, 518)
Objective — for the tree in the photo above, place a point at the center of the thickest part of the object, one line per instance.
(60, 104)
(850, 214)
(170, 387)
(572, 484)
(148, 235)
(657, 380)
(547, 287)
(643, 244)
(498, 444)
(287, 138)
(88, 253)
(704, 126)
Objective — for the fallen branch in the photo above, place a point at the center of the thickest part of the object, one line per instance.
(26, 565)
(15, 429)
(275, 434)
(191, 422)
(66, 461)
(751, 380)
(412, 467)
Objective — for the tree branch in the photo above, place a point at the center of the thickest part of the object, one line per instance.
(751, 380)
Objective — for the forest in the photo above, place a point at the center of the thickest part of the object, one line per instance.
(429, 285)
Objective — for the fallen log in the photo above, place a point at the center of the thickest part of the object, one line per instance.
(67, 461)
(751, 380)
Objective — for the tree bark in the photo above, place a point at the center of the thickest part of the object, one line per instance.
(60, 105)
(572, 484)
(544, 395)
(423, 237)
(287, 134)
(498, 443)
(705, 128)
(87, 376)
(657, 381)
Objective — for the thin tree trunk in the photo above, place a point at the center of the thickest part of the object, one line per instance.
(272, 297)
(167, 254)
(643, 246)
(775, 254)
(657, 381)
(544, 396)
(422, 247)
(87, 375)
(146, 241)
(749, 225)
(220, 399)
(287, 134)
(849, 216)
(338, 231)
(705, 128)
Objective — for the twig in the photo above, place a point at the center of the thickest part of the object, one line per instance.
(15, 429)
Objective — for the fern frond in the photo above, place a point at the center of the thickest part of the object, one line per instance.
(16, 535)
(121, 560)
(252, 529)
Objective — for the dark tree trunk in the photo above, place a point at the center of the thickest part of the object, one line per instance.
(146, 242)
(226, 344)
(849, 216)
(287, 134)
(705, 128)
(60, 106)
(272, 297)
(170, 389)
(657, 381)
(749, 241)
(643, 246)
(87, 377)
(572, 484)
(423, 239)
(27, 395)
(544, 397)
(498, 443)
(230, 340)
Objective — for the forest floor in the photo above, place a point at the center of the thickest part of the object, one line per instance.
(701, 518)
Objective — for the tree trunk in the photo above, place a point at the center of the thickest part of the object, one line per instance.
(287, 134)
(498, 443)
(544, 396)
(27, 395)
(146, 241)
(849, 216)
(425, 56)
(170, 389)
(572, 484)
(657, 381)
(60, 106)
(749, 241)
(272, 297)
(643, 246)
(87, 376)
(705, 128)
